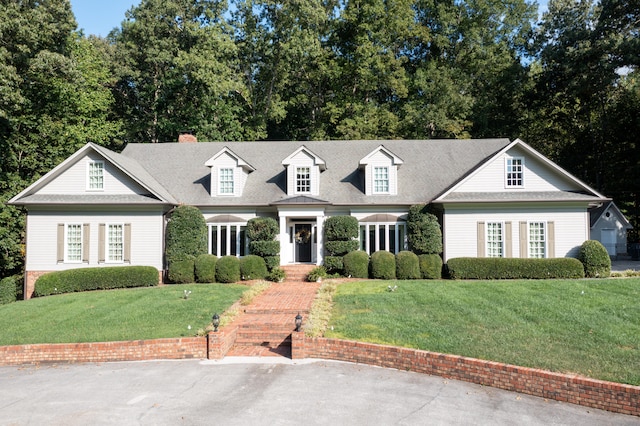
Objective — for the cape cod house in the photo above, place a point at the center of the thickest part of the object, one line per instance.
(496, 198)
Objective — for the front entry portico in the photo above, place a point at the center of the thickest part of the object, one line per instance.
(301, 235)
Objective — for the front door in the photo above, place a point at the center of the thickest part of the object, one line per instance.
(302, 240)
(608, 237)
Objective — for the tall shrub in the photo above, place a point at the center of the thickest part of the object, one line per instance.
(7, 290)
(424, 233)
(595, 259)
(341, 228)
(186, 234)
(262, 232)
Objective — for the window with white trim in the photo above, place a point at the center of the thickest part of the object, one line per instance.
(380, 180)
(514, 172)
(495, 239)
(95, 175)
(389, 236)
(303, 179)
(73, 242)
(226, 181)
(228, 239)
(537, 239)
(115, 242)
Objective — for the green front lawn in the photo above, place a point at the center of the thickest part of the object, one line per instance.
(589, 327)
(100, 316)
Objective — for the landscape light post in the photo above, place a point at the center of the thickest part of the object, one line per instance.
(298, 321)
(216, 321)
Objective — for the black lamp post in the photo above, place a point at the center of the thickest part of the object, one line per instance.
(298, 321)
(216, 321)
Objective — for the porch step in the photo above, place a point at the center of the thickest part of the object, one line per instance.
(297, 272)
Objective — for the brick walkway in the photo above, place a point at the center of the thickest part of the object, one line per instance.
(264, 329)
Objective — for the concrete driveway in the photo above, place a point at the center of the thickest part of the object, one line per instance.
(252, 391)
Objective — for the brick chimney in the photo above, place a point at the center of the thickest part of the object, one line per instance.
(187, 136)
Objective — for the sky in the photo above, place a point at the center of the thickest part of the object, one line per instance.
(99, 17)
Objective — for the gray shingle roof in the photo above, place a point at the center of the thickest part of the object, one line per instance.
(517, 196)
(430, 167)
(89, 199)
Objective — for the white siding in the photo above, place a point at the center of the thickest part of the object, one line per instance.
(74, 180)
(537, 176)
(146, 238)
(571, 226)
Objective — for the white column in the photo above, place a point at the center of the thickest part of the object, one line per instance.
(284, 241)
(320, 236)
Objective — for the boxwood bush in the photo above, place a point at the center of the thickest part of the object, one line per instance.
(595, 259)
(228, 269)
(356, 264)
(469, 268)
(334, 264)
(84, 279)
(186, 234)
(423, 231)
(407, 266)
(272, 262)
(430, 266)
(383, 265)
(341, 228)
(264, 248)
(205, 268)
(262, 229)
(182, 270)
(253, 267)
(8, 290)
(340, 248)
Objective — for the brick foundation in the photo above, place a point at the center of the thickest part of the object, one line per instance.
(574, 389)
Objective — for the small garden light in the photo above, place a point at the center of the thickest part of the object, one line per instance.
(216, 321)
(298, 321)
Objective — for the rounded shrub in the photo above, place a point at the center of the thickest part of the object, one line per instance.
(341, 228)
(277, 274)
(264, 248)
(182, 271)
(205, 268)
(262, 229)
(423, 233)
(186, 234)
(340, 248)
(595, 259)
(407, 266)
(272, 262)
(356, 264)
(430, 266)
(383, 265)
(253, 267)
(228, 269)
(333, 264)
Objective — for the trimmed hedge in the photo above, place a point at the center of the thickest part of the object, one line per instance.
(182, 271)
(334, 264)
(262, 229)
(205, 268)
(340, 248)
(186, 234)
(228, 269)
(383, 265)
(471, 268)
(85, 279)
(253, 267)
(356, 264)
(423, 231)
(8, 293)
(430, 266)
(272, 262)
(407, 266)
(341, 228)
(595, 259)
(264, 248)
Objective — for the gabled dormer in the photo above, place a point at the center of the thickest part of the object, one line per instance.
(381, 172)
(228, 173)
(303, 172)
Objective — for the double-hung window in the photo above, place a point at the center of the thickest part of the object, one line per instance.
(95, 175)
(73, 242)
(226, 181)
(495, 239)
(303, 179)
(537, 239)
(514, 173)
(381, 180)
(115, 243)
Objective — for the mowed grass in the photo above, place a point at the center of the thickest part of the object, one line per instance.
(131, 314)
(586, 327)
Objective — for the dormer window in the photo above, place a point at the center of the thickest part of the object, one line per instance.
(303, 180)
(514, 172)
(226, 185)
(381, 180)
(95, 175)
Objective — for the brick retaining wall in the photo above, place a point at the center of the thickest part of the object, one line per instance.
(137, 350)
(579, 390)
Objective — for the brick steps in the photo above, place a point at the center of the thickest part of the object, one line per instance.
(297, 272)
